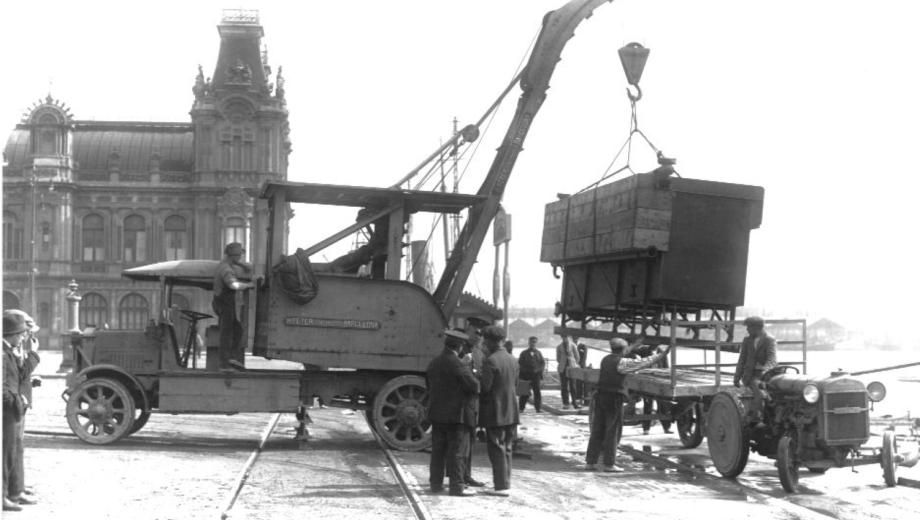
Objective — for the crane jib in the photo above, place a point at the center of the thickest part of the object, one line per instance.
(558, 27)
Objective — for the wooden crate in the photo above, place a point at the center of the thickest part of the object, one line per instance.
(626, 215)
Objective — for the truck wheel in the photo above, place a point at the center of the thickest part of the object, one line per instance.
(689, 427)
(725, 433)
(787, 464)
(139, 421)
(400, 414)
(889, 462)
(100, 411)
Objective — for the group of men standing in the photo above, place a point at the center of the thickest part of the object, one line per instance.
(467, 389)
(20, 358)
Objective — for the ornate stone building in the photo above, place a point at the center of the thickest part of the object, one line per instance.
(83, 200)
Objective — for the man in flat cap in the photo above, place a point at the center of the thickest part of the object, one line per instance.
(757, 355)
(28, 354)
(14, 404)
(227, 286)
(498, 407)
(453, 392)
(607, 423)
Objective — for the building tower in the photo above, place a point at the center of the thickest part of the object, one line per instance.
(84, 200)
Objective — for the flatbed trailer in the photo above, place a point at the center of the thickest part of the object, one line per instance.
(690, 387)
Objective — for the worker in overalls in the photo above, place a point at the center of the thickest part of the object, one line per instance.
(226, 287)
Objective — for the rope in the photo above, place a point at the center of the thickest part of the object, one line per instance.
(627, 146)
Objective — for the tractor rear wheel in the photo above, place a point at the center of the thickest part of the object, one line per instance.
(725, 433)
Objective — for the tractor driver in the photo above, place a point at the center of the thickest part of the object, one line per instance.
(757, 355)
(226, 287)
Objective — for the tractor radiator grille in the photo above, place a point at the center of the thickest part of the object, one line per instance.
(846, 417)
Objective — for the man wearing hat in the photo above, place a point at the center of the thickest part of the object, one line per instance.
(28, 354)
(14, 404)
(473, 355)
(498, 407)
(757, 355)
(226, 287)
(453, 391)
(607, 424)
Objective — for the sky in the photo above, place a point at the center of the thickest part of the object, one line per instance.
(815, 101)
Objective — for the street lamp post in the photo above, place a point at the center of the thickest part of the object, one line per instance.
(33, 256)
(72, 337)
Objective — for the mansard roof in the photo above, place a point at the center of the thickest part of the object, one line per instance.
(132, 144)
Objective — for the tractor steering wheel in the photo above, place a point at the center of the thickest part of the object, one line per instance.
(191, 315)
(779, 369)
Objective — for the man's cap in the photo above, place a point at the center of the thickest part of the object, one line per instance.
(493, 332)
(618, 344)
(454, 337)
(233, 248)
(753, 320)
(30, 323)
(13, 323)
(532, 338)
(476, 322)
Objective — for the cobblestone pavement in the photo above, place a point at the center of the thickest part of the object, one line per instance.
(185, 466)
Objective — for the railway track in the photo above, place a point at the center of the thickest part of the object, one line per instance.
(404, 481)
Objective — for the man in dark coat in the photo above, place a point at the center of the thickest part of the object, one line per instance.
(498, 407)
(452, 395)
(14, 331)
(757, 355)
(531, 366)
(28, 351)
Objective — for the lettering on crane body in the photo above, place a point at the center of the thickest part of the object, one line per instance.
(331, 323)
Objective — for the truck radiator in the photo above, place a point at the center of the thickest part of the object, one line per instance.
(846, 418)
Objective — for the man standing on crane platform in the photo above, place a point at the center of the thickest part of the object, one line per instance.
(226, 287)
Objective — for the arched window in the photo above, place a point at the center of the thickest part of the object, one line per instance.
(94, 310)
(235, 231)
(176, 238)
(12, 237)
(180, 301)
(44, 315)
(10, 300)
(135, 239)
(133, 312)
(93, 238)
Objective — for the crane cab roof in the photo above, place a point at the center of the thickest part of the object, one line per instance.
(365, 196)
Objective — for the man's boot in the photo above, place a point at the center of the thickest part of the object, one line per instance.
(9, 505)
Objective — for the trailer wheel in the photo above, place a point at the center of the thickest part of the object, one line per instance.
(889, 462)
(100, 411)
(689, 426)
(728, 442)
(787, 464)
(400, 414)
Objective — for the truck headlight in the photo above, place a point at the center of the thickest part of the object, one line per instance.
(876, 391)
(811, 394)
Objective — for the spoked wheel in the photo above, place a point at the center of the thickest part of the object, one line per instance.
(889, 458)
(787, 463)
(726, 436)
(400, 414)
(100, 411)
(690, 427)
(139, 421)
